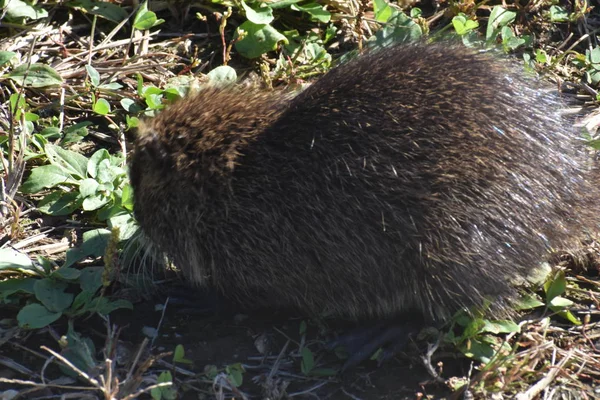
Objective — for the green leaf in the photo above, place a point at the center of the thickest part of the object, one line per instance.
(556, 286)
(308, 361)
(82, 302)
(302, 329)
(50, 132)
(399, 29)
(178, 86)
(164, 392)
(283, 3)
(211, 371)
(126, 223)
(594, 55)
(593, 143)
(15, 285)
(90, 279)
(154, 101)
(13, 260)
(509, 39)
(568, 315)
(130, 105)
(66, 273)
(110, 86)
(104, 306)
(593, 77)
(76, 132)
(102, 107)
(560, 302)
(132, 122)
(222, 76)
(416, 12)
(117, 160)
(541, 56)
(109, 211)
(46, 264)
(382, 9)
(107, 173)
(95, 159)
(179, 355)
(39, 142)
(558, 14)
(60, 203)
(17, 104)
(316, 11)
(71, 162)
(80, 351)
(35, 75)
(28, 128)
(6, 56)
(330, 33)
(44, 177)
(262, 15)
(148, 90)
(463, 25)
(140, 85)
(36, 316)
(480, 350)
(94, 202)
(94, 244)
(88, 187)
(127, 197)
(31, 117)
(52, 294)
(501, 326)
(109, 11)
(259, 39)
(235, 374)
(106, 188)
(145, 19)
(17, 9)
(528, 302)
(93, 74)
(499, 17)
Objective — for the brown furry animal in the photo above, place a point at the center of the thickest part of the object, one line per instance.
(419, 178)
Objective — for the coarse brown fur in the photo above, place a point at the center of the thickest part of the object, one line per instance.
(418, 177)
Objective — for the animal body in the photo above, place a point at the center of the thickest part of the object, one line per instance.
(418, 178)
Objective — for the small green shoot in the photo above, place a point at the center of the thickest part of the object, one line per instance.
(179, 356)
(166, 391)
(235, 374)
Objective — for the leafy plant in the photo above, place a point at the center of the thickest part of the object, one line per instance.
(166, 392)
(499, 24)
(398, 28)
(98, 184)
(35, 76)
(146, 19)
(48, 287)
(558, 14)
(478, 336)
(257, 35)
(590, 62)
(463, 25)
(235, 373)
(110, 11)
(307, 360)
(19, 10)
(555, 286)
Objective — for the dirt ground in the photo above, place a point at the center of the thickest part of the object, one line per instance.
(227, 339)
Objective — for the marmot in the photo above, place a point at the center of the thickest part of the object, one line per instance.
(416, 178)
